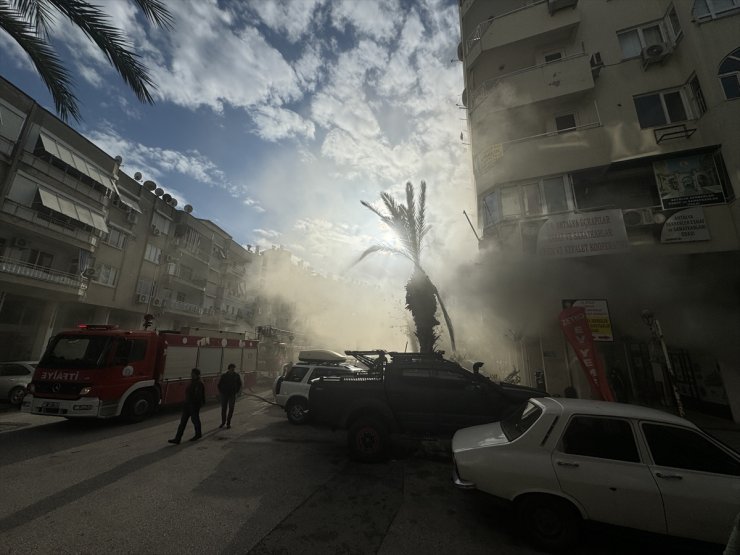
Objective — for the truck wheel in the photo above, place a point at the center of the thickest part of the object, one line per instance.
(551, 523)
(16, 395)
(368, 440)
(138, 406)
(297, 411)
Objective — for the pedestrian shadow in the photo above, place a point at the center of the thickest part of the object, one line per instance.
(86, 487)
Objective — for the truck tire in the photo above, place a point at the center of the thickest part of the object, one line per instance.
(138, 406)
(297, 411)
(368, 439)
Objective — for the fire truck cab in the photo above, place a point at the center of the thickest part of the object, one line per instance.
(100, 371)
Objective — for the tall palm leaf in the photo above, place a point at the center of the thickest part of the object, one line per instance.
(28, 23)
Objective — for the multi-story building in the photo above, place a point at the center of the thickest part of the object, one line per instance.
(607, 165)
(81, 241)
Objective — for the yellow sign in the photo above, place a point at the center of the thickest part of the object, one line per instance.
(597, 314)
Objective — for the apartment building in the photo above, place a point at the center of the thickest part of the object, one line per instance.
(606, 159)
(81, 241)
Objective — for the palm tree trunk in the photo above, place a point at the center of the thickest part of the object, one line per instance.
(421, 301)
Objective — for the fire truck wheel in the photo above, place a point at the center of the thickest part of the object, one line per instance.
(138, 406)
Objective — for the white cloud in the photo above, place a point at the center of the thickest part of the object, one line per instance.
(254, 204)
(267, 233)
(274, 123)
(374, 18)
(292, 18)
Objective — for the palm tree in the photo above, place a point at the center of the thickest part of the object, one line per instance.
(408, 222)
(28, 23)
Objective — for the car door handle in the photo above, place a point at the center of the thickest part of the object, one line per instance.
(568, 464)
(669, 476)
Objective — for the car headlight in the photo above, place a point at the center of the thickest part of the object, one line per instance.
(85, 390)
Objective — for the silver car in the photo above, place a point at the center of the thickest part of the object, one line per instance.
(14, 378)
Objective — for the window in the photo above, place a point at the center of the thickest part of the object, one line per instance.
(296, 374)
(107, 274)
(161, 223)
(40, 258)
(729, 75)
(490, 209)
(450, 377)
(532, 199)
(546, 196)
(130, 350)
(14, 370)
(632, 41)
(603, 438)
(661, 108)
(711, 9)
(683, 448)
(553, 57)
(520, 421)
(554, 191)
(510, 205)
(180, 297)
(415, 373)
(700, 103)
(673, 23)
(152, 253)
(566, 122)
(115, 238)
(186, 272)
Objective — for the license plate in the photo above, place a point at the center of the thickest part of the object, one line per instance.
(49, 405)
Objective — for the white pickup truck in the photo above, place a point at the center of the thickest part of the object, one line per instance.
(291, 389)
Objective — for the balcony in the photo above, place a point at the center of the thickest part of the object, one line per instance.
(183, 307)
(6, 146)
(45, 168)
(532, 21)
(38, 220)
(564, 77)
(68, 282)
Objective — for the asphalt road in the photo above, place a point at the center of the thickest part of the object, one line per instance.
(262, 487)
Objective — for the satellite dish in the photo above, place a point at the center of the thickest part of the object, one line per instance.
(118, 160)
(150, 185)
(188, 208)
(173, 202)
(137, 176)
(159, 191)
(167, 198)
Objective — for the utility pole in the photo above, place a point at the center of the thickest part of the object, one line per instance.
(649, 318)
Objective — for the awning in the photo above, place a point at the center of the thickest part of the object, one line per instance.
(73, 210)
(125, 199)
(61, 152)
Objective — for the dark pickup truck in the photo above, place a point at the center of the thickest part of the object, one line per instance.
(409, 393)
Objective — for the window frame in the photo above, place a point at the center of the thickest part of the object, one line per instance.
(564, 115)
(150, 250)
(631, 425)
(735, 74)
(111, 275)
(641, 36)
(120, 244)
(687, 106)
(712, 13)
(492, 219)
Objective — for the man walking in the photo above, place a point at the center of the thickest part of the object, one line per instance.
(228, 386)
(195, 397)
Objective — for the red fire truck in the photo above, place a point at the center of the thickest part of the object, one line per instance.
(99, 371)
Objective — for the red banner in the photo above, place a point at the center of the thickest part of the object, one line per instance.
(574, 324)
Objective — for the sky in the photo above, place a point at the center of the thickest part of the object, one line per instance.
(274, 118)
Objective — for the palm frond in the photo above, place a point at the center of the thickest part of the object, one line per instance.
(36, 13)
(96, 25)
(378, 248)
(411, 222)
(50, 68)
(421, 227)
(155, 11)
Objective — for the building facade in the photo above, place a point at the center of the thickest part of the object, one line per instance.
(607, 166)
(82, 242)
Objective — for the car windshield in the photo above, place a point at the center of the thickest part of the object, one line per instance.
(73, 351)
(520, 420)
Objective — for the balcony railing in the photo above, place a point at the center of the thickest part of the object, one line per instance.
(181, 306)
(67, 179)
(40, 273)
(32, 216)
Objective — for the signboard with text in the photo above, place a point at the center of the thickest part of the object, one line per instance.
(688, 181)
(597, 314)
(583, 234)
(685, 226)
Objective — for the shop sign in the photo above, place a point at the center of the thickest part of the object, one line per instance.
(574, 324)
(685, 226)
(583, 234)
(688, 181)
(597, 314)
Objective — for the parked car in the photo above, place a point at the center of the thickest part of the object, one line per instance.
(292, 390)
(563, 460)
(410, 393)
(14, 379)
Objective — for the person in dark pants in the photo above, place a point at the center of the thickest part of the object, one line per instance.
(195, 397)
(228, 386)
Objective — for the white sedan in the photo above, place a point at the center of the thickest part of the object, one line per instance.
(563, 460)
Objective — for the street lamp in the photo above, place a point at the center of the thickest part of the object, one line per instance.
(657, 332)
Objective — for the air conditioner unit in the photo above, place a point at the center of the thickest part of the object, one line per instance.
(169, 258)
(157, 302)
(555, 5)
(638, 217)
(132, 217)
(596, 64)
(155, 231)
(142, 299)
(655, 53)
(19, 243)
(89, 273)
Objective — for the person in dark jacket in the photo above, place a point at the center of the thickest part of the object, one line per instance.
(228, 386)
(195, 397)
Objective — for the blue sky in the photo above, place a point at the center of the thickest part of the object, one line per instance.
(274, 118)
